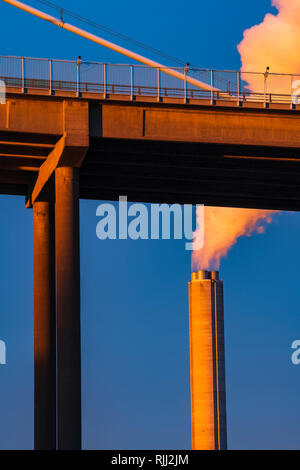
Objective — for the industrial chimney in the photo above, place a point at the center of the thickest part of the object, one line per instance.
(207, 361)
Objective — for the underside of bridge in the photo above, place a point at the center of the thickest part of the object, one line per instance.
(215, 175)
(125, 153)
(151, 171)
(56, 150)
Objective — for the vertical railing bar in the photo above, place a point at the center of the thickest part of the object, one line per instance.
(78, 76)
(131, 82)
(158, 84)
(23, 75)
(238, 88)
(293, 101)
(104, 80)
(50, 76)
(265, 90)
(212, 86)
(185, 97)
(187, 88)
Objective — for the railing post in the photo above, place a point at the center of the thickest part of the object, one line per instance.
(294, 100)
(186, 69)
(131, 82)
(238, 88)
(78, 76)
(50, 76)
(185, 85)
(23, 74)
(266, 74)
(104, 81)
(158, 84)
(212, 87)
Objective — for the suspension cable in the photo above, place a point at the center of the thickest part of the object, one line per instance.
(63, 11)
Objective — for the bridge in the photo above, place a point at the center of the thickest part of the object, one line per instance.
(72, 129)
(139, 132)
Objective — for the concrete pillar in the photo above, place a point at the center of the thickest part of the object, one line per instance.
(207, 362)
(68, 308)
(44, 326)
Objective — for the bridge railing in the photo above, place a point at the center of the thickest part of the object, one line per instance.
(138, 80)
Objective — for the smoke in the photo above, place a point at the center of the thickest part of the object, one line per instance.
(222, 227)
(273, 43)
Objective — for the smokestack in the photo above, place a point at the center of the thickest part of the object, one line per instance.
(207, 361)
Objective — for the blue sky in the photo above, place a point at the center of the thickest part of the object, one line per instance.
(135, 364)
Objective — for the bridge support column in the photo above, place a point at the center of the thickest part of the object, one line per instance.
(44, 326)
(68, 308)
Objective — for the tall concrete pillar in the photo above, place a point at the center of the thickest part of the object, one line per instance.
(68, 308)
(44, 326)
(207, 362)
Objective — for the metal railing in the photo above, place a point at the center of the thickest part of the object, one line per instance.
(78, 76)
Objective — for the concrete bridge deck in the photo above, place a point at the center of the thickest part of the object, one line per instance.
(220, 154)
